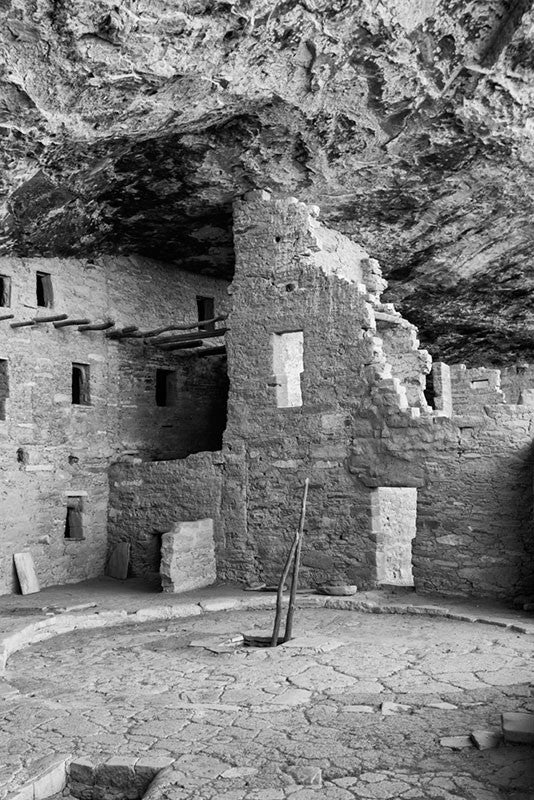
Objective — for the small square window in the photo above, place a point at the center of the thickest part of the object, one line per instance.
(165, 387)
(44, 290)
(206, 310)
(80, 385)
(5, 291)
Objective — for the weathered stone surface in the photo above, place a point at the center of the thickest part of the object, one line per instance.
(158, 116)
(188, 556)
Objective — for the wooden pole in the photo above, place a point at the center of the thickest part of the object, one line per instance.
(6, 316)
(118, 334)
(187, 337)
(97, 326)
(72, 322)
(185, 327)
(280, 592)
(296, 565)
(50, 318)
(25, 324)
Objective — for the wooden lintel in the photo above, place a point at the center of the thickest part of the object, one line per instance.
(6, 316)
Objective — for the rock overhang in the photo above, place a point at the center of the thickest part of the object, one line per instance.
(133, 127)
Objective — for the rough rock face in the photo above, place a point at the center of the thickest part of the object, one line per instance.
(132, 126)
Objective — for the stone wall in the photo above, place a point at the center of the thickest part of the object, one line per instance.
(147, 499)
(293, 275)
(50, 448)
(364, 423)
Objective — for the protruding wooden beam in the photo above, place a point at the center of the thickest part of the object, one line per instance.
(211, 351)
(180, 345)
(25, 324)
(122, 332)
(188, 337)
(6, 316)
(184, 327)
(72, 322)
(97, 326)
(50, 318)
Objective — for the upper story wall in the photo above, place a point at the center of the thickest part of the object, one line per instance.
(52, 449)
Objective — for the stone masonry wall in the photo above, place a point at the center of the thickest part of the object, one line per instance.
(51, 449)
(363, 424)
(293, 275)
(147, 499)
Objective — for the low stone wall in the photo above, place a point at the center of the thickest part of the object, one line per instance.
(147, 499)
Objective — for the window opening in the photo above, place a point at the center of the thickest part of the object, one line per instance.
(206, 310)
(80, 385)
(288, 365)
(74, 518)
(45, 293)
(4, 388)
(5, 291)
(165, 387)
(430, 391)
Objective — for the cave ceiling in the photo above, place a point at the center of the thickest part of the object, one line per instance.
(131, 126)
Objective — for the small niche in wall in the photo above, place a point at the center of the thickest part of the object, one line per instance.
(483, 383)
(74, 518)
(81, 395)
(5, 291)
(44, 290)
(4, 387)
(206, 310)
(288, 365)
(165, 387)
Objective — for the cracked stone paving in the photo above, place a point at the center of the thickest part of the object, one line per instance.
(364, 698)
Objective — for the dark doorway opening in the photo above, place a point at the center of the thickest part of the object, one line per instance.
(80, 385)
(206, 310)
(44, 290)
(74, 519)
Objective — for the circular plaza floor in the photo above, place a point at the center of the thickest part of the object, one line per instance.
(366, 698)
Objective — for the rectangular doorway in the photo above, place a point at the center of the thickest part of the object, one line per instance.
(394, 514)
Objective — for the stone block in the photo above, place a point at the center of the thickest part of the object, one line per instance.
(81, 770)
(50, 782)
(518, 726)
(188, 556)
(486, 740)
(116, 772)
(307, 776)
(456, 742)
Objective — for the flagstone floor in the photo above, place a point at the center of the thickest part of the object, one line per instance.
(366, 698)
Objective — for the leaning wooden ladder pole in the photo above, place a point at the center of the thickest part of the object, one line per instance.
(293, 556)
